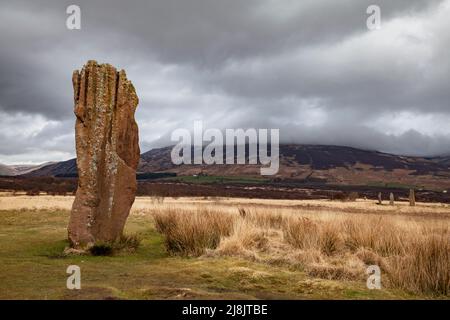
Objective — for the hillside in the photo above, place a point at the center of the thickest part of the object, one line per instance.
(64, 168)
(7, 170)
(306, 163)
(15, 170)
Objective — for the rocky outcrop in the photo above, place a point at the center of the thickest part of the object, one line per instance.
(107, 148)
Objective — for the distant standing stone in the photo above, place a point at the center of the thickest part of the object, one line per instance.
(391, 199)
(107, 146)
(412, 197)
(380, 199)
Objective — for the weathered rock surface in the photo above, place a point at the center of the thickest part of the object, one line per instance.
(107, 148)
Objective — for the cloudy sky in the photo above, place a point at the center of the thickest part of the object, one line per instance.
(311, 68)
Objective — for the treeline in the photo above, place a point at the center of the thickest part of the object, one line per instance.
(139, 176)
(68, 186)
(37, 185)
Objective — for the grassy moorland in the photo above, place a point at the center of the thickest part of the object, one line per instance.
(195, 248)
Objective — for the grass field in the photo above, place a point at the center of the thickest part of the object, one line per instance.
(253, 251)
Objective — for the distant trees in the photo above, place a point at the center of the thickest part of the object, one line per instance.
(35, 185)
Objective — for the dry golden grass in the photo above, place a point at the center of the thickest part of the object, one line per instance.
(426, 267)
(412, 252)
(10, 202)
(190, 233)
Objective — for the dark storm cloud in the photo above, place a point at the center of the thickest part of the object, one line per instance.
(310, 68)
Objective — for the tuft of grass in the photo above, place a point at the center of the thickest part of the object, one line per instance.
(244, 240)
(377, 233)
(330, 239)
(191, 233)
(128, 243)
(301, 233)
(425, 269)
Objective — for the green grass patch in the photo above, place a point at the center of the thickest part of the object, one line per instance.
(392, 185)
(220, 179)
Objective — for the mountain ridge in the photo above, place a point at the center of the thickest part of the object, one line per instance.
(318, 163)
(21, 169)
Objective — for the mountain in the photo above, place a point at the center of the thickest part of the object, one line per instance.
(21, 169)
(64, 168)
(442, 160)
(7, 170)
(27, 168)
(307, 163)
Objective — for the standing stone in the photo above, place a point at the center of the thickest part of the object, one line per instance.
(412, 198)
(391, 199)
(108, 153)
(380, 199)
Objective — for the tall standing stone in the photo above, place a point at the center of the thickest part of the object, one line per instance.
(107, 146)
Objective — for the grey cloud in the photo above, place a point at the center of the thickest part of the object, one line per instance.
(308, 67)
